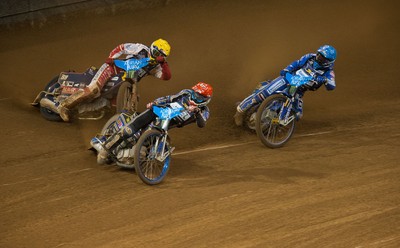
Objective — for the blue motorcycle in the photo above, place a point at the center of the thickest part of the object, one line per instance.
(276, 116)
(148, 150)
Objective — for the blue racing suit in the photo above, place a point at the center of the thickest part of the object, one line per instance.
(322, 76)
(185, 97)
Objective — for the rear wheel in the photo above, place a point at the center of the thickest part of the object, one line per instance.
(249, 118)
(271, 133)
(150, 165)
(45, 112)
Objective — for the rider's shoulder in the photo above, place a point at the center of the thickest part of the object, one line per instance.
(185, 91)
(135, 47)
(308, 56)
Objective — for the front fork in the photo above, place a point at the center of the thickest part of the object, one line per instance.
(284, 115)
(161, 142)
(160, 148)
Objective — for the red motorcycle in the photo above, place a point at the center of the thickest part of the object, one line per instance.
(119, 92)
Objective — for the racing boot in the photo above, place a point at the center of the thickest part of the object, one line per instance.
(108, 146)
(49, 104)
(97, 143)
(72, 101)
(238, 117)
(64, 112)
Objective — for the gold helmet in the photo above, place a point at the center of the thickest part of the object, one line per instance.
(160, 47)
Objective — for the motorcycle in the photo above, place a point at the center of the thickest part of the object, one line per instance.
(119, 92)
(148, 151)
(277, 115)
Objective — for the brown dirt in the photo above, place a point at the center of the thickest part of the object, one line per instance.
(335, 184)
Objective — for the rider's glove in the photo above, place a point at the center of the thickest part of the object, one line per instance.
(311, 85)
(149, 105)
(193, 109)
(160, 59)
(320, 79)
(109, 61)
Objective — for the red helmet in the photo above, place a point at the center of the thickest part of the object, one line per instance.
(203, 89)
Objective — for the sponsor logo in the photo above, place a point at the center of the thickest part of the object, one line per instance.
(70, 84)
(64, 77)
(68, 90)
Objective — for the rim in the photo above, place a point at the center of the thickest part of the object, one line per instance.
(272, 131)
(149, 166)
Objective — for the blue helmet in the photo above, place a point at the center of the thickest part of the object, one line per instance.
(326, 56)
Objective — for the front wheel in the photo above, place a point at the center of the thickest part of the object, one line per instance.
(127, 98)
(152, 157)
(271, 133)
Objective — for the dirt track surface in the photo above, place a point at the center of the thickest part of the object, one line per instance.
(335, 184)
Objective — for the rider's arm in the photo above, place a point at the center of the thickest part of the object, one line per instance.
(162, 71)
(116, 52)
(128, 48)
(162, 100)
(327, 79)
(297, 64)
(330, 83)
(202, 116)
(168, 99)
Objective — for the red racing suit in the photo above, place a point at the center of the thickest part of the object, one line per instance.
(107, 70)
(130, 50)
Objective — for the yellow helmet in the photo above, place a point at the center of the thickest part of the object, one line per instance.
(160, 47)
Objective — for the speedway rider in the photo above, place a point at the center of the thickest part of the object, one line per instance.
(195, 100)
(320, 65)
(159, 50)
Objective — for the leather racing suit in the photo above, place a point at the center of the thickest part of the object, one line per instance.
(322, 75)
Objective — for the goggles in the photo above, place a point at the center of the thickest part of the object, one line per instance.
(197, 98)
(157, 52)
(322, 60)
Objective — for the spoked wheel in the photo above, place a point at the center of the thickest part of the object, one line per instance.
(109, 128)
(271, 133)
(127, 97)
(152, 157)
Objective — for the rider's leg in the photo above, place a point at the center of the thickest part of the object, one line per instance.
(141, 121)
(49, 104)
(88, 93)
(264, 90)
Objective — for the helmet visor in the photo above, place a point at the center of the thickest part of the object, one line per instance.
(157, 52)
(197, 98)
(322, 60)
